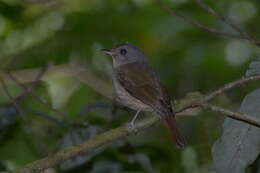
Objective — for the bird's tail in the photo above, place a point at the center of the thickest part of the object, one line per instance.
(178, 139)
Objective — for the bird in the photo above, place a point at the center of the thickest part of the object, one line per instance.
(138, 86)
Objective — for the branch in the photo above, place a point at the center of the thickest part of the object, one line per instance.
(21, 85)
(227, 21)
(123, 131)
(15, 101)
(219, 91)
(89, 78)
(206, 28)
(59, 71)
(24, 93)
(88, 146)
(112, 135)
(34, 83)
(9, 95)
(94, 106)
(235, 115)
(231, 85)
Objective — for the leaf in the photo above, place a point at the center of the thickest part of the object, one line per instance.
(239, 145)
(100, 61)
(7, 116)
(77, 136)
(254, 68)
(106, 166)
(143, 160)
(61, 89)
(190, 162)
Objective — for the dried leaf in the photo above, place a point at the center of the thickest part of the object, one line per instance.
(239, 145)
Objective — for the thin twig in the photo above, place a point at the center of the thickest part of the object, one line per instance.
(83, 74)
(227, 21)
(36, 97)
(219, 91)
(49, 118)
(13, 100)
(94, 106)
(229, 86)
(63, 123)
(34, 83)
(235, 115)
(196, 24)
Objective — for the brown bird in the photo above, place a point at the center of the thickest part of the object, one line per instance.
(138, 86)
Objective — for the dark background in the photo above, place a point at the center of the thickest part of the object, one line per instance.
(36, 33)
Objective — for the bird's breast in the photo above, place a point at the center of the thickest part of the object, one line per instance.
(126, 99)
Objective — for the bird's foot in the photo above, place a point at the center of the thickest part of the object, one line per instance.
(132, 127)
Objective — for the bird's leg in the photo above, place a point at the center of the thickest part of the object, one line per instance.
(132, 123)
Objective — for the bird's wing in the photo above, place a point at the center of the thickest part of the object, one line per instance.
(142, 82)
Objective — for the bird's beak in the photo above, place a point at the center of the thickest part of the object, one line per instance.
(107, 51)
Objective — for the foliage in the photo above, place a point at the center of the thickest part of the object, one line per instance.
(38, 33)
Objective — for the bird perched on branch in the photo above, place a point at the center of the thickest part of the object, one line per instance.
(138, 86)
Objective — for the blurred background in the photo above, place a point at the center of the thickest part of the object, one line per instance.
(61, 82)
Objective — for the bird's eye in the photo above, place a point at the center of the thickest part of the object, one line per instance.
(123, 51)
